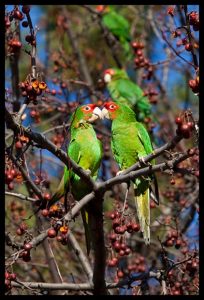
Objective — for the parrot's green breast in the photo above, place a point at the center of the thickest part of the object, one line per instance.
(86, 150)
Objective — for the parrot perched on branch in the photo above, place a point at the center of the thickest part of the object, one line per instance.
(86, 150)
(130, 142)
(123, 90)
(118, 26)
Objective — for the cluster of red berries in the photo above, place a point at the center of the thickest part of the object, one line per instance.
(185, 125)
(121, 225)
(194, 20)
(174, 240)
(32, 89)
(55, 211)
(23, 227)
(188, 276)
(8, 278)
(62, 230)
(194, 85)
(58, 139)
(14, 45)
(10, 175)
(21, 141)
(119, 245)
(151, 93)
(140, 61)
(35, 114)
(25, 254)
(136, 264)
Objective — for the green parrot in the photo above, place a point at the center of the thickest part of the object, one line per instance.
(130, 142)
(86, 150)
(118, 26)
(123, 90)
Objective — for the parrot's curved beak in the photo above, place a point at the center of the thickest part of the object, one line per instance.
(107, 78)
(105, 113)
(97, 114)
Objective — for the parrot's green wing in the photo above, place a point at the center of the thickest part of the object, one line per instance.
(117, 24)
(144, 138)
(127, 92)
(120, 28)
(131, 141)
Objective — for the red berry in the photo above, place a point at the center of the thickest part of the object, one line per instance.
(26, 258)
(112, 216)
(13, 276)
(120, 274)
(185, 131)
(192, 83)
(135, 45)
(152, 204)
(51, 233)
(123, 246)
(10, 186)
(25, 9)
(7, 275)
(141, 268)
(9, 177)
(33, 113)
(178, 121)
(59, 238)
(188, 47)
(25, 24)
(116, 246)
(28, 246)
(19, 231)
(178, 244)
(113, 237)
(18, 15)
(28, 38)
(127, 251)
(121, 252)
(190, 125)
(18, 145)
(115, 260)
(169, 243)
(135, 227)
(53, 92)
(45, 212)
(23, 226)
(139, 53)
(47, 196)
(111, 263)
(176, 292)
(116, 223)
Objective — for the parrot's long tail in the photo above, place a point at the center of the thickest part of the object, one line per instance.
(142, 203)
(85, 218)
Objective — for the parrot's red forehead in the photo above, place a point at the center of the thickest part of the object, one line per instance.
(111, 106)
(88, 108)
(109, 71)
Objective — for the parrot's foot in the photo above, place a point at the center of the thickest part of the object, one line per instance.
(88, 172)
(142, 161)
(119, 173)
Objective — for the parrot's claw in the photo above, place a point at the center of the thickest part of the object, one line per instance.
(88, 172)
(119, 173)
(142, 161)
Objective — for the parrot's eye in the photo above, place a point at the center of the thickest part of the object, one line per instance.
(87, 108)
(112, 106)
